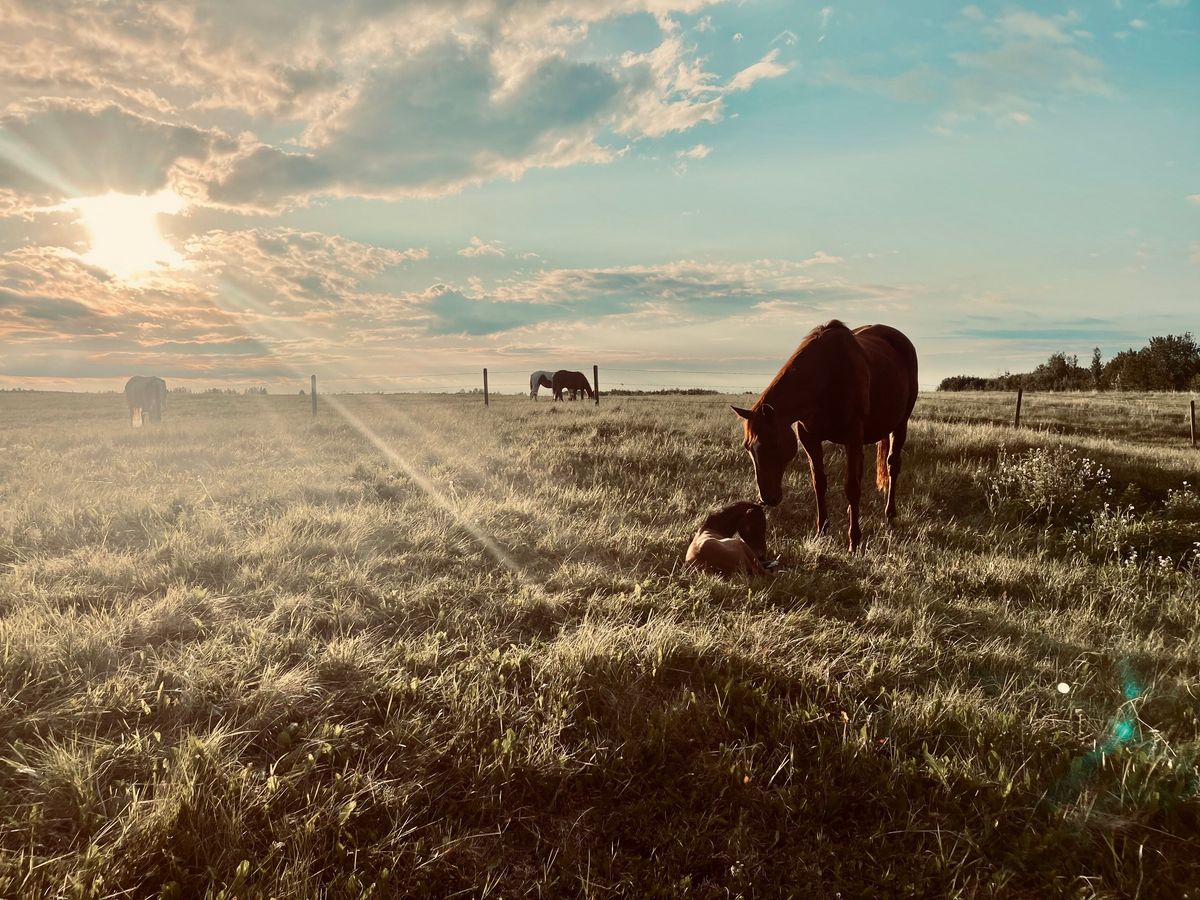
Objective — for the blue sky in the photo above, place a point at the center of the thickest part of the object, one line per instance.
(379, 192)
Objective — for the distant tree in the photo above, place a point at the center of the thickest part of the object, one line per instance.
(1097, 370)
(1175, 360)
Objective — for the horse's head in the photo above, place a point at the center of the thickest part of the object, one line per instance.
(771, 444)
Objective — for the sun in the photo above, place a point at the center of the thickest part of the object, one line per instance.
(124, 233)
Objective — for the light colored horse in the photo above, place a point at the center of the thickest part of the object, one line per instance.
(145, 394)
(540, 379)
(732, 541)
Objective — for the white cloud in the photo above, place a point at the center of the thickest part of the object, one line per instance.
(786, 37)
(357, 98)
(700, 151)
(973, 12)
(738, 36)
(821, 258)
(1138, 24)
(1194, 198)
(766, 67)
(478, 247)
(1030, 25)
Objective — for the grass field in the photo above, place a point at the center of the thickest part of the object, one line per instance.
(418, 647)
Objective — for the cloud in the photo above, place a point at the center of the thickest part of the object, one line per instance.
(700, 151)
(786, 37)
(821, 258)
(63, 148)
(1025, 62)
(1138, 24)
(766, 67)
(349, 99)
(1031, 26)
(738, 36)
(1031, 57)
(1194, 198)
(479, 247)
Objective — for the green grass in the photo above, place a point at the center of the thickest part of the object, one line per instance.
(250, 654)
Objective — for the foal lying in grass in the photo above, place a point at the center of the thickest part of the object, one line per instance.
(732, 541)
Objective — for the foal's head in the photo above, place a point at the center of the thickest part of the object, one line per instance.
(772, 444)
(743, 518)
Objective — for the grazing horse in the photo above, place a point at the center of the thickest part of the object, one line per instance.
(145, 394)
(732, 541)
(565, 380)
(540, 379)
(849, 387)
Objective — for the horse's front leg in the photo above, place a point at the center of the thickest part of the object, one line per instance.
(854, 473)
(896, 448)
(816, 464)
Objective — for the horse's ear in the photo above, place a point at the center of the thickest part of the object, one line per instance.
(743, 413)
(768, 410)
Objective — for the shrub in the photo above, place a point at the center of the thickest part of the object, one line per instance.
(1048, 483)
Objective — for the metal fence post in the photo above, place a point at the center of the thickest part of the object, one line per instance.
(596, 383)
(485, 389)
(313, 392)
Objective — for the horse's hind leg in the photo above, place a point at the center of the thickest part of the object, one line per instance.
(816, 464)
(899, 436)
(854, 474)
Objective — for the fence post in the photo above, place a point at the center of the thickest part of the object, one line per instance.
(596, 384)
(485, 390)
(1193, 418)
(313, 393)
(1017, 418)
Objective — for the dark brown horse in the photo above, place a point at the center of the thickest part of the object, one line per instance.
(145, 395)
(731, 541)
(565, 380)
(849, 387)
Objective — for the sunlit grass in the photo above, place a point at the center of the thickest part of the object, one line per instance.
(253, 652)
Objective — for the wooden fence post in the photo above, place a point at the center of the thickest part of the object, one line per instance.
(485, 390)
(1193, 418)
(596, 384)
(1017, 418)
(313, 392)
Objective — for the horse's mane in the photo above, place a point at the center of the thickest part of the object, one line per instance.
(812, 337)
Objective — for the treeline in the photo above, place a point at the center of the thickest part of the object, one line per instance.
(1170, 363)
(215, 390)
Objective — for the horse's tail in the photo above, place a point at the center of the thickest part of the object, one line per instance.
(881, 468)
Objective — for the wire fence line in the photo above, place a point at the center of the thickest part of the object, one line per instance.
(614, 378)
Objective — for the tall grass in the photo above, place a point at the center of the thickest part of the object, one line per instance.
(250, 654)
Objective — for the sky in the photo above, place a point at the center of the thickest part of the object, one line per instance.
(395, 195)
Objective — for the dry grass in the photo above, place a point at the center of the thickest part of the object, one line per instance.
(248, 654)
